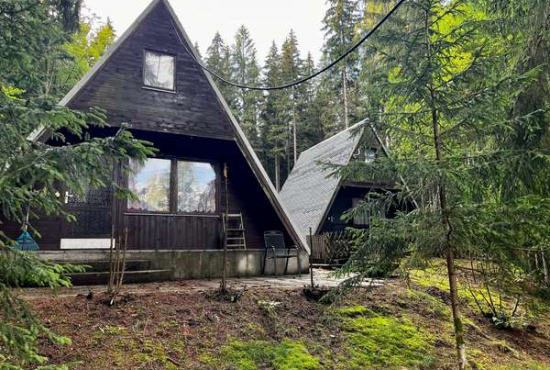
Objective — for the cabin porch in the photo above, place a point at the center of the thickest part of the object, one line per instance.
(182, 264)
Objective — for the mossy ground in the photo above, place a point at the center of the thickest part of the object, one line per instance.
(397, 326)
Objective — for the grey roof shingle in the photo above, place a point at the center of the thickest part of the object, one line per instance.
(310, 187)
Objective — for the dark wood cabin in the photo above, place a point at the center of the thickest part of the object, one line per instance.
(317, 198)
(151, 81)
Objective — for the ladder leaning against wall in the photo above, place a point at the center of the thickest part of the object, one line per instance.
(235, 231)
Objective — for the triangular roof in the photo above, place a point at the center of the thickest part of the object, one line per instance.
(310, 188)
(239, 136)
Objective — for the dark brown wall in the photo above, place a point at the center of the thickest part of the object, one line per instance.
(187, 124)
(118, 87)
(198, 232)
(49, 228)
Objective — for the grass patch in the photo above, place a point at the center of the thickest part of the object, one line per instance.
(376, 341)
(257, 354)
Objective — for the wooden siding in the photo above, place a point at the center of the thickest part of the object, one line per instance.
(118, 87)
(49, 228)
(246, 196)
(172, 232)
(189, 124)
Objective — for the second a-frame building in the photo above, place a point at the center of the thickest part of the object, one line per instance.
(150, 80)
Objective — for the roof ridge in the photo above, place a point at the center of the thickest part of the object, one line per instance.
(362, 122)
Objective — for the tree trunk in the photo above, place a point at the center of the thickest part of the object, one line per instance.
(223, 287)
(277, 173)
(345, 93)
(294, 132)
(545, 267)
(445, 219)
(451, 270)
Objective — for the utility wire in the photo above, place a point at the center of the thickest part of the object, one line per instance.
(315, 74)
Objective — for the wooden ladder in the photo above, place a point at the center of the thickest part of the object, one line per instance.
(235, 231)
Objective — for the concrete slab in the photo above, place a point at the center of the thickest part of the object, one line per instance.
(322, 278)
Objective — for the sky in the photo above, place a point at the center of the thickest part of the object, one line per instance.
(267, 20)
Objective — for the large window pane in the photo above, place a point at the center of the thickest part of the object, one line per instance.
(158, 70)
(151, 183)
(196, 187)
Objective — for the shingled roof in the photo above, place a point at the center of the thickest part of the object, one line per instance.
(310, 188)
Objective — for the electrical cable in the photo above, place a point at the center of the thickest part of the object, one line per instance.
(313, 75)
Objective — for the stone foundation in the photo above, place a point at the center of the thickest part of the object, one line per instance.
(193, 264)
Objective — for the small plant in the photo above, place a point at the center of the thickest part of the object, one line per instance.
(270, 307)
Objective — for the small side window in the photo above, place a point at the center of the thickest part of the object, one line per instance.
(159, 70)
(370, 155)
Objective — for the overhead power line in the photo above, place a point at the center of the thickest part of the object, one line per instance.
(313, 75)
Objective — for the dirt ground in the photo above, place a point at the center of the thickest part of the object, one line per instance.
(278, 328)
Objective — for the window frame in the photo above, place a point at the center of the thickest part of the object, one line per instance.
(127, 210)
(156, 88)
(173, 189)
(374, 152)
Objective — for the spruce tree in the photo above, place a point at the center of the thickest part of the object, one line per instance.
(339, 25)
(444, 100)
(246, 71)
(310, 131)
(218, 59)
(291, 70)
(31, 172)
(524, 28)
(273, 128)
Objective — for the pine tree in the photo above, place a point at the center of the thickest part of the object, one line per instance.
(246, 71)
(218, 58)
(291, 70)
(198, 49)
(445, 98)
(274, 130)
(524, 26)
(310, 111)
(339, 26)
(31, 173)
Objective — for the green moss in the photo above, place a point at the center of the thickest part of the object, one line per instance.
(381, 342)
(292, 355)
(109, 330)
(254, 355)
(246, 355)
(481, 361)
(431, 277)
(354, 311)
(431, 304)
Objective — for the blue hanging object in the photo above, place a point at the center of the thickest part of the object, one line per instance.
(26, 243)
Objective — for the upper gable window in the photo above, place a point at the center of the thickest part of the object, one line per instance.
(159, 70)
(370, 155)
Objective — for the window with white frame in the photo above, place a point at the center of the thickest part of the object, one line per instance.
(159, 70)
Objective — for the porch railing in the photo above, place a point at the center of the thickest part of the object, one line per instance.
(331, 248)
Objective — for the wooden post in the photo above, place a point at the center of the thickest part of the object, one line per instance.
(225, 216)
(310, 262)
(111, 265)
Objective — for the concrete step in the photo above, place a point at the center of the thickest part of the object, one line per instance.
(130, 277)
(103, 266)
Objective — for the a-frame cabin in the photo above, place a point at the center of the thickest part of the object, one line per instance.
(150, 81)
(317, 197)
